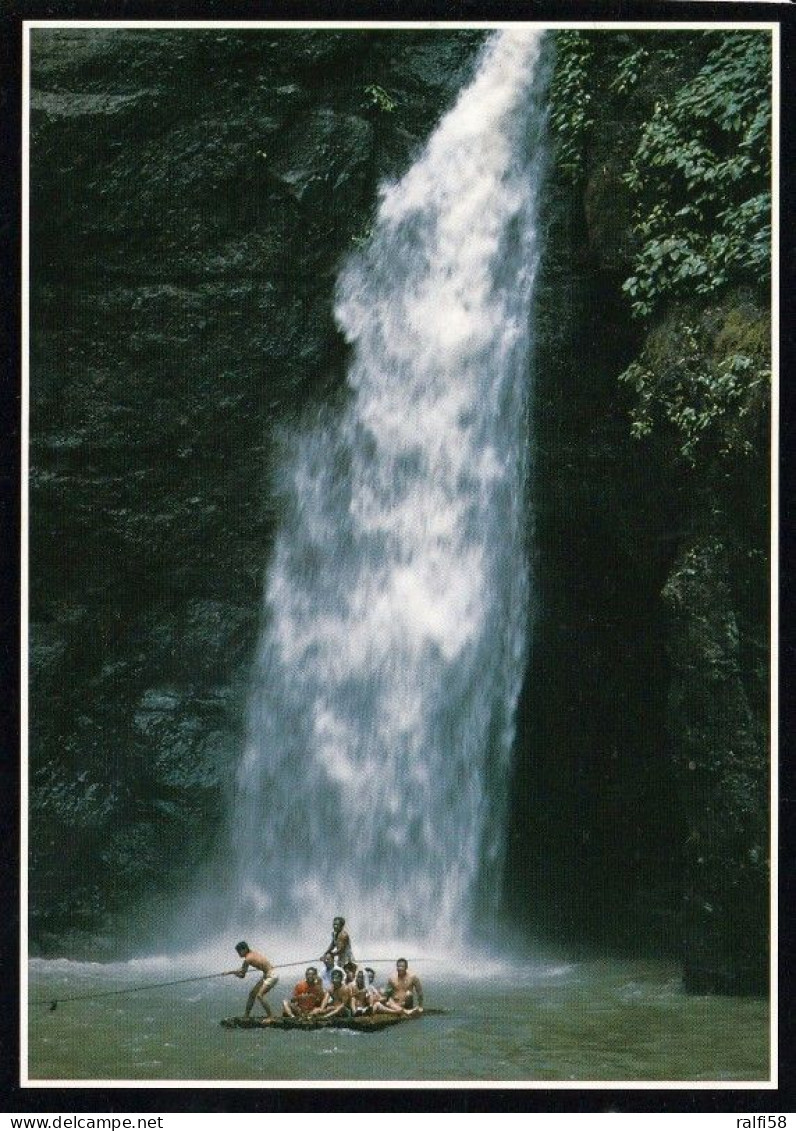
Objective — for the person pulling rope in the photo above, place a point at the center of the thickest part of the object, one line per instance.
(53, 1003)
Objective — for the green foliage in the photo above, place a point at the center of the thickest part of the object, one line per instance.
(701, 176)
(633, 66)
(377, 98)
(571, 117)
(709, 389)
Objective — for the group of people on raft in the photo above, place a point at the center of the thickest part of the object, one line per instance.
(341, 989)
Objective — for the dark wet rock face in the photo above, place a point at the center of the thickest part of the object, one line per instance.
(193, 195)
(596, 838)
(642, 771)
(720, 750)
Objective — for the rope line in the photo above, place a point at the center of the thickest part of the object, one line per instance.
(53, 1001)
(131, 989)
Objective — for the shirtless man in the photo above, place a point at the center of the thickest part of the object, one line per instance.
(375, 992)
(361, 997)
(403, 993)
(267, 982)
(340, 946)
(307, 995)
(337, 999)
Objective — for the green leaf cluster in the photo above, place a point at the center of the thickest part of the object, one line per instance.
(710, 392)
(681, 122)
(571, 96)
(701, 177)
(377, 98)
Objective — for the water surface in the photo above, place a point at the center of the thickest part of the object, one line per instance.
(601, 1021)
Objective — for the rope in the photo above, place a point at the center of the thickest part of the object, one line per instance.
(129, 989)
(359, 961)
(52, 1002)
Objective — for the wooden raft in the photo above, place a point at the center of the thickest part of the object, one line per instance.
(367, 1023)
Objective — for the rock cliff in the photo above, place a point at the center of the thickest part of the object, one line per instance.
(193, 196)
(644, 743)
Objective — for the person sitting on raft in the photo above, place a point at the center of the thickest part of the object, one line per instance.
(336, 1003)
(403, 993)
(375, 991)
(340, 946)
(350, 973)
(267, 982)
(307, 995)
(328, 967)
(361, 1001)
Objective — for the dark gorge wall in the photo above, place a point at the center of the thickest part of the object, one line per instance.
(596, 836)
(640, 814)
(193, 195)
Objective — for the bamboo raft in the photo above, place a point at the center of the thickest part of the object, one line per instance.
(365, 1023)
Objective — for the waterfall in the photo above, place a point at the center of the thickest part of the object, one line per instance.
(375, 775)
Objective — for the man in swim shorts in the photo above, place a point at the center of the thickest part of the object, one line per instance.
(403, 993)
(338, 999)
(267, 982)
(375, 991)
(340, 946)
(361, 995)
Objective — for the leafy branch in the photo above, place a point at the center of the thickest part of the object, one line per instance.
(701, 176)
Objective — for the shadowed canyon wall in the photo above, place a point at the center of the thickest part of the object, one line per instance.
(645, 717)
(193, 197)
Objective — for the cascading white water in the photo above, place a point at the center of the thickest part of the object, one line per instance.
(375, 777)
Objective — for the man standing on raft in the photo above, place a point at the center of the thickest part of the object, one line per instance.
(267, 982)
(340, 946)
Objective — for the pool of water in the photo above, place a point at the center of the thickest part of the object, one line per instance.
(592, 1021)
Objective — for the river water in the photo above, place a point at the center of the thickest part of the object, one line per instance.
(609, 1020)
